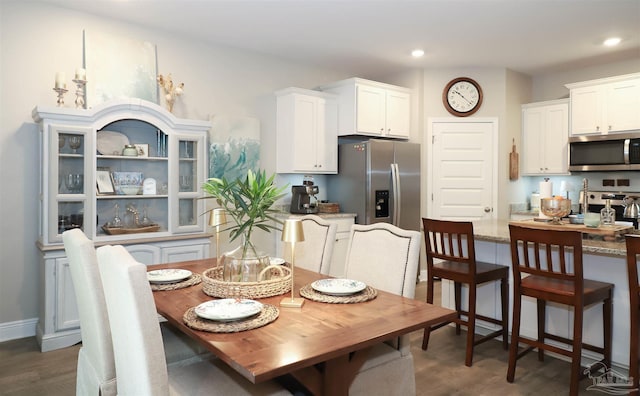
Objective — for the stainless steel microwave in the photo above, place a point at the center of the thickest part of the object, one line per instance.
(612, 152)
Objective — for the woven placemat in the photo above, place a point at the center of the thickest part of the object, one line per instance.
(369, 293)
(268, 314)
(194, 279)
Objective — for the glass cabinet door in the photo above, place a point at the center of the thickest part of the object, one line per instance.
(69, 179)
(190, 176)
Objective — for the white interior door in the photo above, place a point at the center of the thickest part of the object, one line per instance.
(463, 168)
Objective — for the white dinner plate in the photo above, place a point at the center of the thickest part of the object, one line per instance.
(276, 261)
(338, 287)
(168, 275)
(110, 142)
(228, 309)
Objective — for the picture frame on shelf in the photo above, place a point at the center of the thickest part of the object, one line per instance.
(104, 184)
(143, 149)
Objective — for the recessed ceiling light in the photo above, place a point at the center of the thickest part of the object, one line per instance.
(610, 42)
(416, 53)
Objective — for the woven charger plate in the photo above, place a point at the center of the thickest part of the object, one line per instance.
(194, 279)
(268, 314)
(213, 285)
(369, 293)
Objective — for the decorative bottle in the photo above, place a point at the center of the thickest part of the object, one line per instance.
(608, 214)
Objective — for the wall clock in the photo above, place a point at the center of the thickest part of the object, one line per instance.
(462, 96)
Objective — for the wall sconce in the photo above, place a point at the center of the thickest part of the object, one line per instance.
(291, 233)
(218, 217)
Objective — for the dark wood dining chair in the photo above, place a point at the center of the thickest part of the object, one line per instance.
(633, 250)
(453, 242)
(547, 266)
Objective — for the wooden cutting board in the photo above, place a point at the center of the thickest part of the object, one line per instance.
(611, 231)
(513, 162)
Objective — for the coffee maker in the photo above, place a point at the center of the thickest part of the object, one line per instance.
(301, 199)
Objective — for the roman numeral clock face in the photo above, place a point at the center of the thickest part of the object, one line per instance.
(462, 97)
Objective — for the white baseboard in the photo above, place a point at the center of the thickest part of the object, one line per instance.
(18, 329)
(423, 275)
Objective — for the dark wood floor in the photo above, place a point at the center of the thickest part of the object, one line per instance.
(440, 370)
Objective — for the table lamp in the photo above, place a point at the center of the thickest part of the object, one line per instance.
(218, 217)
(291, 233)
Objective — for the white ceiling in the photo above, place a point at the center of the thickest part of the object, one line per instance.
(375, 37)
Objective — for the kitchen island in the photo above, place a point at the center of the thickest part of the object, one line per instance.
(603, 261)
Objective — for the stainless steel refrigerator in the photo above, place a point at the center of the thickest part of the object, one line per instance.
(379, 180)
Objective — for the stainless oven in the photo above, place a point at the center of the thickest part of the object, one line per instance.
(597, 201)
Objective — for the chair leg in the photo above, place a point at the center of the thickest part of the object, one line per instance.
(576, 352)
(427, 330)
(458, 303)
(515, 335)
(607, 321)
(634, 350)
(471, 325)
(542, 325)
(504, 295)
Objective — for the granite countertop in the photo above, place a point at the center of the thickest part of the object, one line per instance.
(498, 231)
(323, 215)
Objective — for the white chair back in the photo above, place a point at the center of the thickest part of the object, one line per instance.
(96, 373)
(137, 340)
(385, 257)
(315, 252)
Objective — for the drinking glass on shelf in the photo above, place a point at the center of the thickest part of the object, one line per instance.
(74, 182)
(74, 143)
(186, 183)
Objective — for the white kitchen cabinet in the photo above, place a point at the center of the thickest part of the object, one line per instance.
(174, 155)
(545, 133)
(605, 105)
(307, 140)
(372, 108)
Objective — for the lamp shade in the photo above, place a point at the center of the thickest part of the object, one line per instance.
(218, 217)
(292, 231)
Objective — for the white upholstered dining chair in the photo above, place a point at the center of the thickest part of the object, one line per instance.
(385, 257)
(315, 252)
(96, 372)
(137, 341)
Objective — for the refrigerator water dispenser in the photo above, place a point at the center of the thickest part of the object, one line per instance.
(382, 203)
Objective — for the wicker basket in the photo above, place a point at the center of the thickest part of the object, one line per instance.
(214, 286)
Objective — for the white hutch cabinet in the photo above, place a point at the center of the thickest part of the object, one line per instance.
(372, 108)
(307, 139)
(78, 148)
(545, 131)
(605, 105)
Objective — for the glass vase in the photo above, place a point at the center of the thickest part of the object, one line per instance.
(244, 264)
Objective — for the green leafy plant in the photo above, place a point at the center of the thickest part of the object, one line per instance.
(248, 204)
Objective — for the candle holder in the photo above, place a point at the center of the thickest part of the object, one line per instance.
(61, 92)
(292, 232)
(80, 93)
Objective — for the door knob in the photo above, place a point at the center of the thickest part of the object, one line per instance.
(487, 209)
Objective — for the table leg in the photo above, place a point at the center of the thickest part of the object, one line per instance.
(333, 377)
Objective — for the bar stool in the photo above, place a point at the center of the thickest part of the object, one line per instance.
(633, 250)
(453, 242)
(544, 257)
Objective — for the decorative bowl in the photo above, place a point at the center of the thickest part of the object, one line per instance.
(556, 208)
(131, 190)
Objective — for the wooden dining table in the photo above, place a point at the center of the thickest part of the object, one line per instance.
(321, 345)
